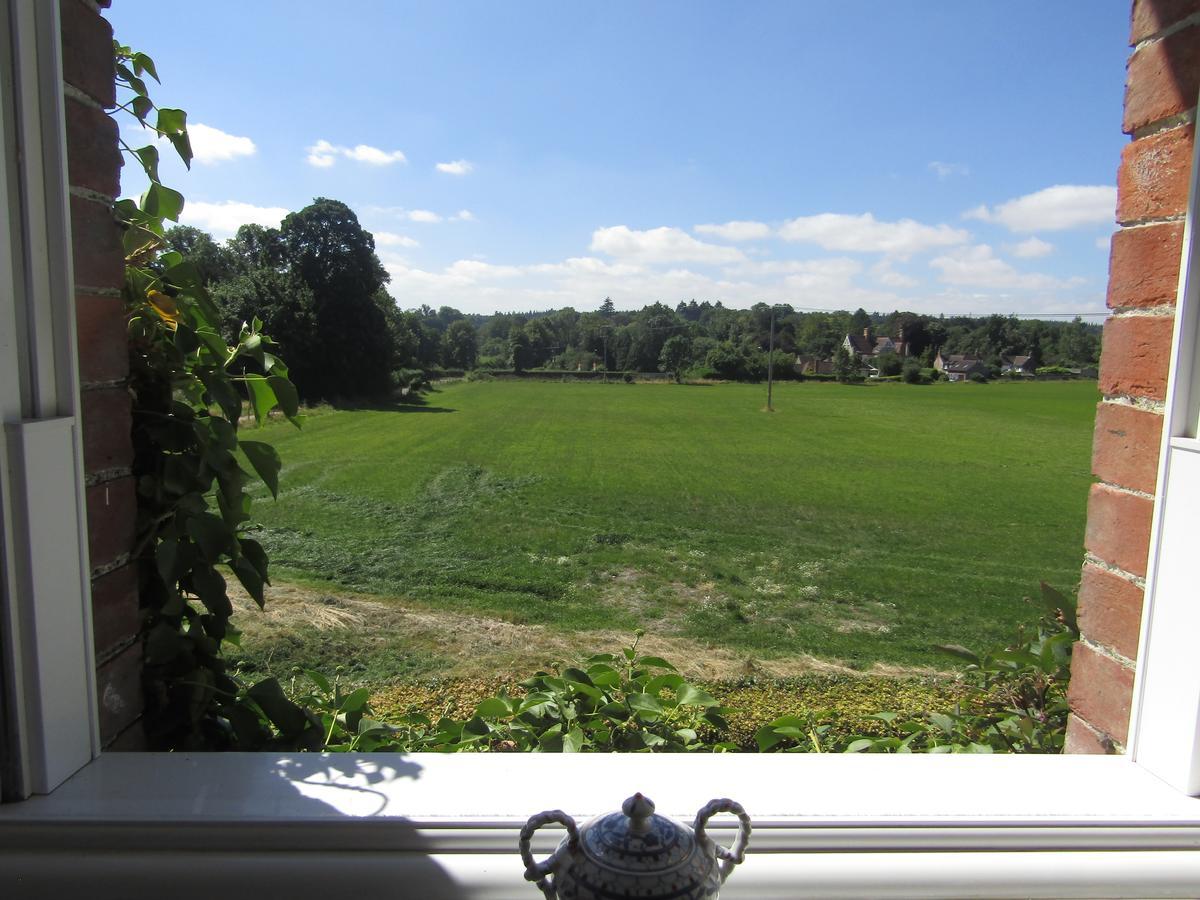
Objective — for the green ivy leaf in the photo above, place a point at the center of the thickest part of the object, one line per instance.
(573, 741)
(143, 63)
(265, 460)
(492, 708)
(162, 202)
(250, 578)
(142, 107)
(355, 701)
(148, 156)
(319, 680)
(262, 396)
(210, 534)
(690, 695)
(645, 705)
(285, 394)
(209, 586)
(283, 713)
(252, 551)
(656, 661)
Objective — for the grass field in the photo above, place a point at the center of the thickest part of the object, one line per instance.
(858, 524)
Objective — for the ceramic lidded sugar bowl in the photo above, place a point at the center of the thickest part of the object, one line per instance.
(635, 853)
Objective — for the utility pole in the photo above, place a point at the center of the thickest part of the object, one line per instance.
(771, 361)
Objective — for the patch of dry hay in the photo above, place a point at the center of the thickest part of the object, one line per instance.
(482, 646)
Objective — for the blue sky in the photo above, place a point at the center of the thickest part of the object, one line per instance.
(937, 156)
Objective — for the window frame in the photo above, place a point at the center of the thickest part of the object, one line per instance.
(826, 826)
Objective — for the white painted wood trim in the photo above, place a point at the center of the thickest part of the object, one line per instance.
(1165, 715)
(45, 605)
(447, 825)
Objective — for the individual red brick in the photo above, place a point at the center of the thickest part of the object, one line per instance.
(1118, 528)
(87, 57)
(114, 609)
(1082, 739)
(119, 690)
(111, 513)
(1101, 691)
(1163, 78)
(96, 244)
(93, 157)
(101, 332)
(1149, 17)
(1110, 611)
(1143, 268)
(107, 426)
(1135, 356)
(1155, 172)
(1125, 446)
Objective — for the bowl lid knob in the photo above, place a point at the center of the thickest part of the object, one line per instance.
(639, 808)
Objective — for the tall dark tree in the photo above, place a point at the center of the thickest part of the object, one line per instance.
(607, 308)
(256, 247)
(519, 355)
(332, 254)
(211, 260)
(459, 345)
(285, 305)
(675, 355)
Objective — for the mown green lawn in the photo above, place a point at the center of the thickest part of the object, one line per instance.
(861, 524)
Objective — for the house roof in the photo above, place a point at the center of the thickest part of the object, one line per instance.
(959, 363)
(859, 343)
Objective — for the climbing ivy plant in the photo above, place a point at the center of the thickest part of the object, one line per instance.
(190, 389)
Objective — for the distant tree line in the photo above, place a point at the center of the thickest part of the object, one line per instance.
(320, 290)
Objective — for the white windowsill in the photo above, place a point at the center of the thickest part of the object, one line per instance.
(825, 825)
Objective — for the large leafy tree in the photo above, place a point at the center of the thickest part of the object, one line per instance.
(335, 257)
(285, 305)
(211, 260)
(459, 345)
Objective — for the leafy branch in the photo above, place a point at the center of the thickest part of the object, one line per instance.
(189, 389)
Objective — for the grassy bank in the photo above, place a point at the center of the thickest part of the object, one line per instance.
(856, 524)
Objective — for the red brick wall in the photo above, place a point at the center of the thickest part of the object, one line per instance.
(1152, 191)
(94, 169)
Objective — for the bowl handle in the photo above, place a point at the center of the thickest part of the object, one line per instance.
(537, 871)
(737, 853)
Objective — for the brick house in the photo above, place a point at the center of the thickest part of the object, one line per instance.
(958, 367)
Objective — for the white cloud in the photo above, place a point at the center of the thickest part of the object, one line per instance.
(212, 145)
(944, 170)
(1104, 243)
(736, 231)
(323, 154)
(887, 276)
(388, 239)
(373, 156)
(476, 270)
(1054, 208)
(422, 215)
(463, 215)
(457, 167)
(222, 219)
(978, 266)
(659, 245)
(866, 234)
(1032, 248)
